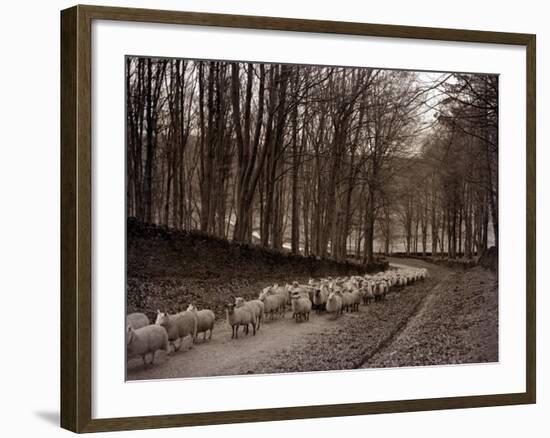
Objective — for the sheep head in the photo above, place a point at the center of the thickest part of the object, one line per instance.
(162, 318)
(230, 307)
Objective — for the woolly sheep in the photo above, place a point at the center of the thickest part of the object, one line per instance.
(178, 326)
(305, 291)
(347, 300)
(301, 306)
(205, 321)
(334, 303)
(379, 291)
(367, 293)
(301, 290)
(320, 299)
(271, 303)
(145, 340)
(349, 285)
(282, 295)
(257, 307)
(356, 299)
(237, 316)
(137, 320)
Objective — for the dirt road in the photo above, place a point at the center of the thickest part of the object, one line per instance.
(457, 323)
(366, 338)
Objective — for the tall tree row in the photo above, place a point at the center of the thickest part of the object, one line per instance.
(323, 161)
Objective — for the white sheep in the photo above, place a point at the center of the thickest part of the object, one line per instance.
(137, 320)
(367, 293)
(205, 321)
(348, 285)
(356, 299)
(334, 303)
(257, 307)
(303, 290)
(237, 316)
(301, 306)
(320, 298)
(145, 340)
(379, 290)
(347, 300)
(178, 326)
(281, 294)
(271, 302)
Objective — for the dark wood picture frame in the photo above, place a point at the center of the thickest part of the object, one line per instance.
(76, 218)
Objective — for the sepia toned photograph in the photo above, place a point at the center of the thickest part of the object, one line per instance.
(287, 218)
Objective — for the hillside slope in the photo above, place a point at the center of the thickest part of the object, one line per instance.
(168, 269)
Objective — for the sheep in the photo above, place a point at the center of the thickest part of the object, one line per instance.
(205, 321)
(282, 297)
(320, 299)
(301, 306)
(137, 320)
(145, 340)
(257, 307)
(303, 290)
(349, 285)
(271, 302)
(237, 316)
(283, 292)
(386, 288)
(178, 326)
(296, 288)
(334, 303)
(300, 290)
(347, 300)
(367, 294)
(379, 290)
(356, 299)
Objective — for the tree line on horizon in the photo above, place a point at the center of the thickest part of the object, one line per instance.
(323, 160)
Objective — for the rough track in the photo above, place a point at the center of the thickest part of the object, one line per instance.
(457, 323)
(407, 329)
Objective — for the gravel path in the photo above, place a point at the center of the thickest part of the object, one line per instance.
(389, 333)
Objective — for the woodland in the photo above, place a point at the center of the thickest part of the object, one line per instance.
(321, 161)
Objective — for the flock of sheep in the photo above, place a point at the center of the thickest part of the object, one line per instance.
(333, 296)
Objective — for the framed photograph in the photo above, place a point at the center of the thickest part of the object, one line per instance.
(303, 218)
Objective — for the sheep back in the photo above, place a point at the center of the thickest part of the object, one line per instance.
(258, 307)
(205, 320)
(137, 320)
(347, 298)
(271, 303)
(301, 305)
(187, 323)
(147, 339)
(170, 325)
(241, 316)
(334, 303)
